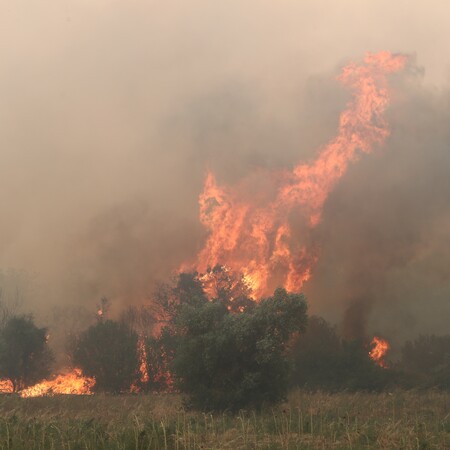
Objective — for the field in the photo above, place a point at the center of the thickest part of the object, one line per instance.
(410, 420)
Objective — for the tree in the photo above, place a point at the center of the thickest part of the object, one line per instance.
(426, 361)
(107, 351)
(315, 354)
(25, 357)
(229, 360)
(325, 361)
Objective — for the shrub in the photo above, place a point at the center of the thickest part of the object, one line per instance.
(24, 357)
(228, 360)
(108, 352)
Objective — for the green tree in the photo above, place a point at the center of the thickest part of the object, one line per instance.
(108, 352)
(426, 361)
(315, 354)
(323, 360)
(24, 357)
(229, 360)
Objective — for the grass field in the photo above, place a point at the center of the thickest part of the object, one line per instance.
(410, 420)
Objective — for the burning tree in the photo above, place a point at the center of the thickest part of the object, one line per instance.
(25, 357)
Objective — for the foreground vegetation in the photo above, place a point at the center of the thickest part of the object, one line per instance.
(409, 420)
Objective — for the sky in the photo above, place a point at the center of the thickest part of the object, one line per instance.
(111, 112)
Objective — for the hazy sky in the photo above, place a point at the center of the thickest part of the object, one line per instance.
(111, 112)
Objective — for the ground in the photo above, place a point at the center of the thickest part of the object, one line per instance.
(410, 420)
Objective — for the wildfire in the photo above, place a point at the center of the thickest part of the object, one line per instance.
(254, 236)
(6, 386)
(379, 349)
(72, 382)
(142, 352)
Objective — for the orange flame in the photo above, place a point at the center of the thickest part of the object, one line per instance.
(6, 386)
(72, 382)
(379, 349)
(253, 236)
(143, 361)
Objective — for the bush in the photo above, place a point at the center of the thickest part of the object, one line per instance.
(426, 361)
(24, 357)
(323, 360)
(108, 352)
(227, 360)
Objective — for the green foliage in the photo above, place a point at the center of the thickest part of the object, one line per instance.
(227, 360)
(324, 361)
(24, 355)
(108, 352)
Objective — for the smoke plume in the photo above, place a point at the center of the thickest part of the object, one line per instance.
(112, 113)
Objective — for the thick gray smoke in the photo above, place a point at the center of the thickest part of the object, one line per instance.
(385, 231)
(111, 112)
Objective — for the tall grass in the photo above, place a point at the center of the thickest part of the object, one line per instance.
(409, 420)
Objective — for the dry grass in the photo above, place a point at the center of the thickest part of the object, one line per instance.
(410, 420)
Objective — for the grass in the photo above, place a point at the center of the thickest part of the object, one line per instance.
(409, 420)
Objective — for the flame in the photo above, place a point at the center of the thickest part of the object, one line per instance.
(142, 352)
(379, 349)
(143, 362)
(72, 382)
(6, 386)
(253, 235)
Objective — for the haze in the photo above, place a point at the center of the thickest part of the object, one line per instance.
(111, 113)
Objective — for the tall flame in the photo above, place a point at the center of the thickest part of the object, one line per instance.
(142, 352)
(379, 349)
(254, 237)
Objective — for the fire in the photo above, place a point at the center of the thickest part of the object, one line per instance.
(72, 382)
(379, 349)
(142, 352)
(253, 235)
(6, 386)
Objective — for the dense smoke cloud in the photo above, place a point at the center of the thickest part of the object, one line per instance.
(111, 112)
(385, 235)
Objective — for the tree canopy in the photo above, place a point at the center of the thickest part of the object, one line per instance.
(229, 360)
(107, 351)
(24, 354)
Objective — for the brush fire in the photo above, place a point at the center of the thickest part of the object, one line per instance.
(252, 236)
(380, 347)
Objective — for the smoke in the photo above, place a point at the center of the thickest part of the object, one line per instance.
(112, 112)
(384, 236)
